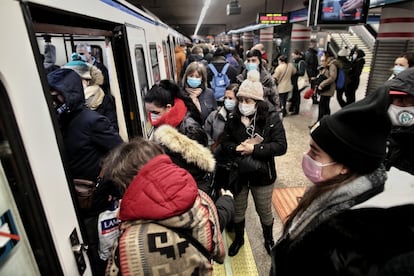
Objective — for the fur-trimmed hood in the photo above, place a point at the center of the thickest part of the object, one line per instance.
(190, 150)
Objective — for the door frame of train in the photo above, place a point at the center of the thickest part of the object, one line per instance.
(127, 85)
(134, 39)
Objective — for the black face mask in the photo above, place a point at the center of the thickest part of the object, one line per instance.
(59, 106)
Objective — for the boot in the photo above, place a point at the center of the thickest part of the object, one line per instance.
(238, 240)
(268, 237)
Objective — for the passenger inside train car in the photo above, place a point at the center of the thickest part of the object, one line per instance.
(88, 137)
(331, 230)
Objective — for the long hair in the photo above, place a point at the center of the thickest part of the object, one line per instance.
(125, 161)
(315, 191)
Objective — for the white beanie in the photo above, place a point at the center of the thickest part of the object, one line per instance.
(252, 87)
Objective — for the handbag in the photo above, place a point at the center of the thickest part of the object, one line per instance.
(248, 164)
(85, 190)
(303, 82)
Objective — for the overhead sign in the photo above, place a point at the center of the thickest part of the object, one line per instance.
(272, 18)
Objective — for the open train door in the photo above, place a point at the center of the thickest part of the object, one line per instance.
(131, 61)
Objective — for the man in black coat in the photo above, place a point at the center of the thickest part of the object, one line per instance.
(311, 60)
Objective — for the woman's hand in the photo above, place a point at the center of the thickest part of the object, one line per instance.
(245, 148)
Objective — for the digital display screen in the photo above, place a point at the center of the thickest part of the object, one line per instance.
(272, 18)
(342, 12)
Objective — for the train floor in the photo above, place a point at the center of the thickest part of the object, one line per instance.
(252, 258)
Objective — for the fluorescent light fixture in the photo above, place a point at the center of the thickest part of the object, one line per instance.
(202, 15)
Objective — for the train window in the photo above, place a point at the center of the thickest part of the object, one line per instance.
(143, 80)
(154, 63)
(96, 51)
(166, 60)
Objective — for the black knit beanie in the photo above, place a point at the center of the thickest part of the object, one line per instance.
(355, 136)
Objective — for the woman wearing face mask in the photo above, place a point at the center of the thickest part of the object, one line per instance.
(332, 231)
(214, 127)
(195, 85)
(254, 62)
(253, 131)
(402, 62)
(167, 104)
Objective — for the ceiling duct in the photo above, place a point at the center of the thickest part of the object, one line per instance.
(233, 8)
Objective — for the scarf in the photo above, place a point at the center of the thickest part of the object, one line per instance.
(194, 93)
(174, 117)
(94, 96)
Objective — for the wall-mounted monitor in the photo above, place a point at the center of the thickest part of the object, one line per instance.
(339, 12)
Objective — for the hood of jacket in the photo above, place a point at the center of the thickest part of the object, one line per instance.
(160, 190)
(189, 149)
(69, 83)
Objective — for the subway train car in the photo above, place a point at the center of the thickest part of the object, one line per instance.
(40, 230)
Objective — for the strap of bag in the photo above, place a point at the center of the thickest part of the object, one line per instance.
(213, 69)
(191, 239)
(224, 70)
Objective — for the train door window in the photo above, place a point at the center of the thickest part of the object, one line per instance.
(20, 206)
(96, 51)
(143, 80)
(166, 59)
(154, 63)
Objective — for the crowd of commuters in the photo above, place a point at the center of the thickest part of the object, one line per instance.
(192, 179)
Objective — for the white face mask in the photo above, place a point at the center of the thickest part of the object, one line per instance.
(154, 117)
(401, 115)
(247, 109)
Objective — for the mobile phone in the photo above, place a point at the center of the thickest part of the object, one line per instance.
(257, 139)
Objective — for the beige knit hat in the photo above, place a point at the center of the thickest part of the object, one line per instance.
(252, 87)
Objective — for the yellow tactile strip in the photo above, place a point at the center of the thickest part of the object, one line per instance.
(286, 199)
(241, 264)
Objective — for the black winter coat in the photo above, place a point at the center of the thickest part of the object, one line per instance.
(87, 135)
(270, 127)
(363, 242)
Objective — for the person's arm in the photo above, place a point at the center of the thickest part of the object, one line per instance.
(225, 208)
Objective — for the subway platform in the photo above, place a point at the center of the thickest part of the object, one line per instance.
(252, 258)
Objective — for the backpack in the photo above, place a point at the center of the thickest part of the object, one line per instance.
(340, 79)
(220, 81)
(301, 68)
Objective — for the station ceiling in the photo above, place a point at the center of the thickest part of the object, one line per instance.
(183, 14)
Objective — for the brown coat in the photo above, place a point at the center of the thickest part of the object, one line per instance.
(331, 72)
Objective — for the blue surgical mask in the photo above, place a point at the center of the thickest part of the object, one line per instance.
(194, 82)
(229, 104)
(398, 69)
(251, 66)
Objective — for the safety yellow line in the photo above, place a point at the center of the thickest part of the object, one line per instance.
(241, 264)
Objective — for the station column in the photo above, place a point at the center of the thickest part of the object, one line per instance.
(395, 36)
(247, 41)
(266, 38)
(300, 37)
